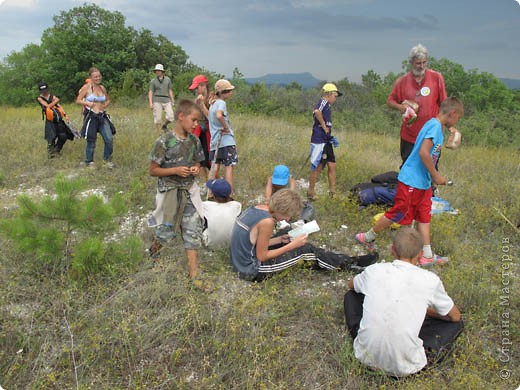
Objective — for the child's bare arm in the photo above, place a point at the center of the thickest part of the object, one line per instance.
(292, 183)
(222, 119)
(319, 117)
(453, 315)
(424, 154)
(268, 189)
(265, 229)
(156, 170)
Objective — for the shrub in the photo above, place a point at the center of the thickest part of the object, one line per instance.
(67, 233)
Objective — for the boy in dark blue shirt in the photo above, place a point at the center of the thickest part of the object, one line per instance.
(322, 141)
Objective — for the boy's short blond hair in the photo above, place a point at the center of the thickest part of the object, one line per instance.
(407, 243)
(186, 107)
(286, 202)
(451, 104)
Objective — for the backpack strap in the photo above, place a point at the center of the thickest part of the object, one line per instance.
(48, 101)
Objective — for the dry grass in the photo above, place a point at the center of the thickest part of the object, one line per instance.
(154, 330)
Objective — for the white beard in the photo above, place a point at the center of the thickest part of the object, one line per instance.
(418, 73)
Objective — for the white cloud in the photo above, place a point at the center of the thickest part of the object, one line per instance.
(17, 4)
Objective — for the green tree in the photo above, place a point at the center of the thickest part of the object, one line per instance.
(20, 74)
(83, 37)
(151, 50)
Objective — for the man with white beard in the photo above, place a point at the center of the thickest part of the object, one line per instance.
(417, 95)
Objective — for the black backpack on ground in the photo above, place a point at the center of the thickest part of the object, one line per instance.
(380, 190)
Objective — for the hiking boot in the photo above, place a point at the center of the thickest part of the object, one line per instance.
(154, 249)
(429, 261)
(370, 245)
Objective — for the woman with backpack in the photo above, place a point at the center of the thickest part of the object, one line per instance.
(94, 98)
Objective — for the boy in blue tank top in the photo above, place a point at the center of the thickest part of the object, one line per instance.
(255, 254)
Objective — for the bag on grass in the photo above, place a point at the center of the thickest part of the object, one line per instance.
(380, 190)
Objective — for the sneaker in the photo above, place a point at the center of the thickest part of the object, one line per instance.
(89, 164)
(109, 164)
(370, 245)
(429, 261)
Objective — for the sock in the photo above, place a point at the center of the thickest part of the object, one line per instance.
(427, 251)
(370, 235)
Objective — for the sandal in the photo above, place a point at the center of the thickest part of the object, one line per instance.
(311, 197)
(155, 249)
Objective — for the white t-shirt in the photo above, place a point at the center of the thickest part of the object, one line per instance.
(220, 217)
(397, 295)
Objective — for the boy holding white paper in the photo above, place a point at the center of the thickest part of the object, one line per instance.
(255, 254)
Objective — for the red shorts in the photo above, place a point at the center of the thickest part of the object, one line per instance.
(411, 204)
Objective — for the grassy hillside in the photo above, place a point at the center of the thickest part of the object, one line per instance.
(151, 329)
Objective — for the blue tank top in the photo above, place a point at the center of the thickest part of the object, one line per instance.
(96, 99)
(243, 253)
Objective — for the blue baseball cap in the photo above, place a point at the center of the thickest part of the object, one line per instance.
(281, 175)
(220, 188)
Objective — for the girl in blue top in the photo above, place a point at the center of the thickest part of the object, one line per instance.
(223, 149)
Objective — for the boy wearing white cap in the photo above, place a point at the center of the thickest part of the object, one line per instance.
(160, 97)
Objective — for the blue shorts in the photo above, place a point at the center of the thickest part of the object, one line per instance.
(226, 155)
(321, 154)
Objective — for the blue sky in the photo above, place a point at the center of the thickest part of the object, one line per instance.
(332, 39)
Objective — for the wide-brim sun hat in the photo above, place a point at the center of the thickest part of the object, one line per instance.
(329, 87)
(159, 67)
(197, 80)
(223, 85)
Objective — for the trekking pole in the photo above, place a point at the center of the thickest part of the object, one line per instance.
(303, 165)
(211, 174)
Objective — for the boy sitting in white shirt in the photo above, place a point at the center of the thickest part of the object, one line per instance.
(386, 306)
(220, 214)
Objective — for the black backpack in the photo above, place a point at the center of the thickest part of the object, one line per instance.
(380, 190)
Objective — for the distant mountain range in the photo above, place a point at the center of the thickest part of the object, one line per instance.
(307, 80)
(511, 83)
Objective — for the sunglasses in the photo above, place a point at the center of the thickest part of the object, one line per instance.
(227, 91)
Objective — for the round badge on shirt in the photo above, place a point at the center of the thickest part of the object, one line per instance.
(425, 91)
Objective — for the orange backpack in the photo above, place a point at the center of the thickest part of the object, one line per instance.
(54, 114)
